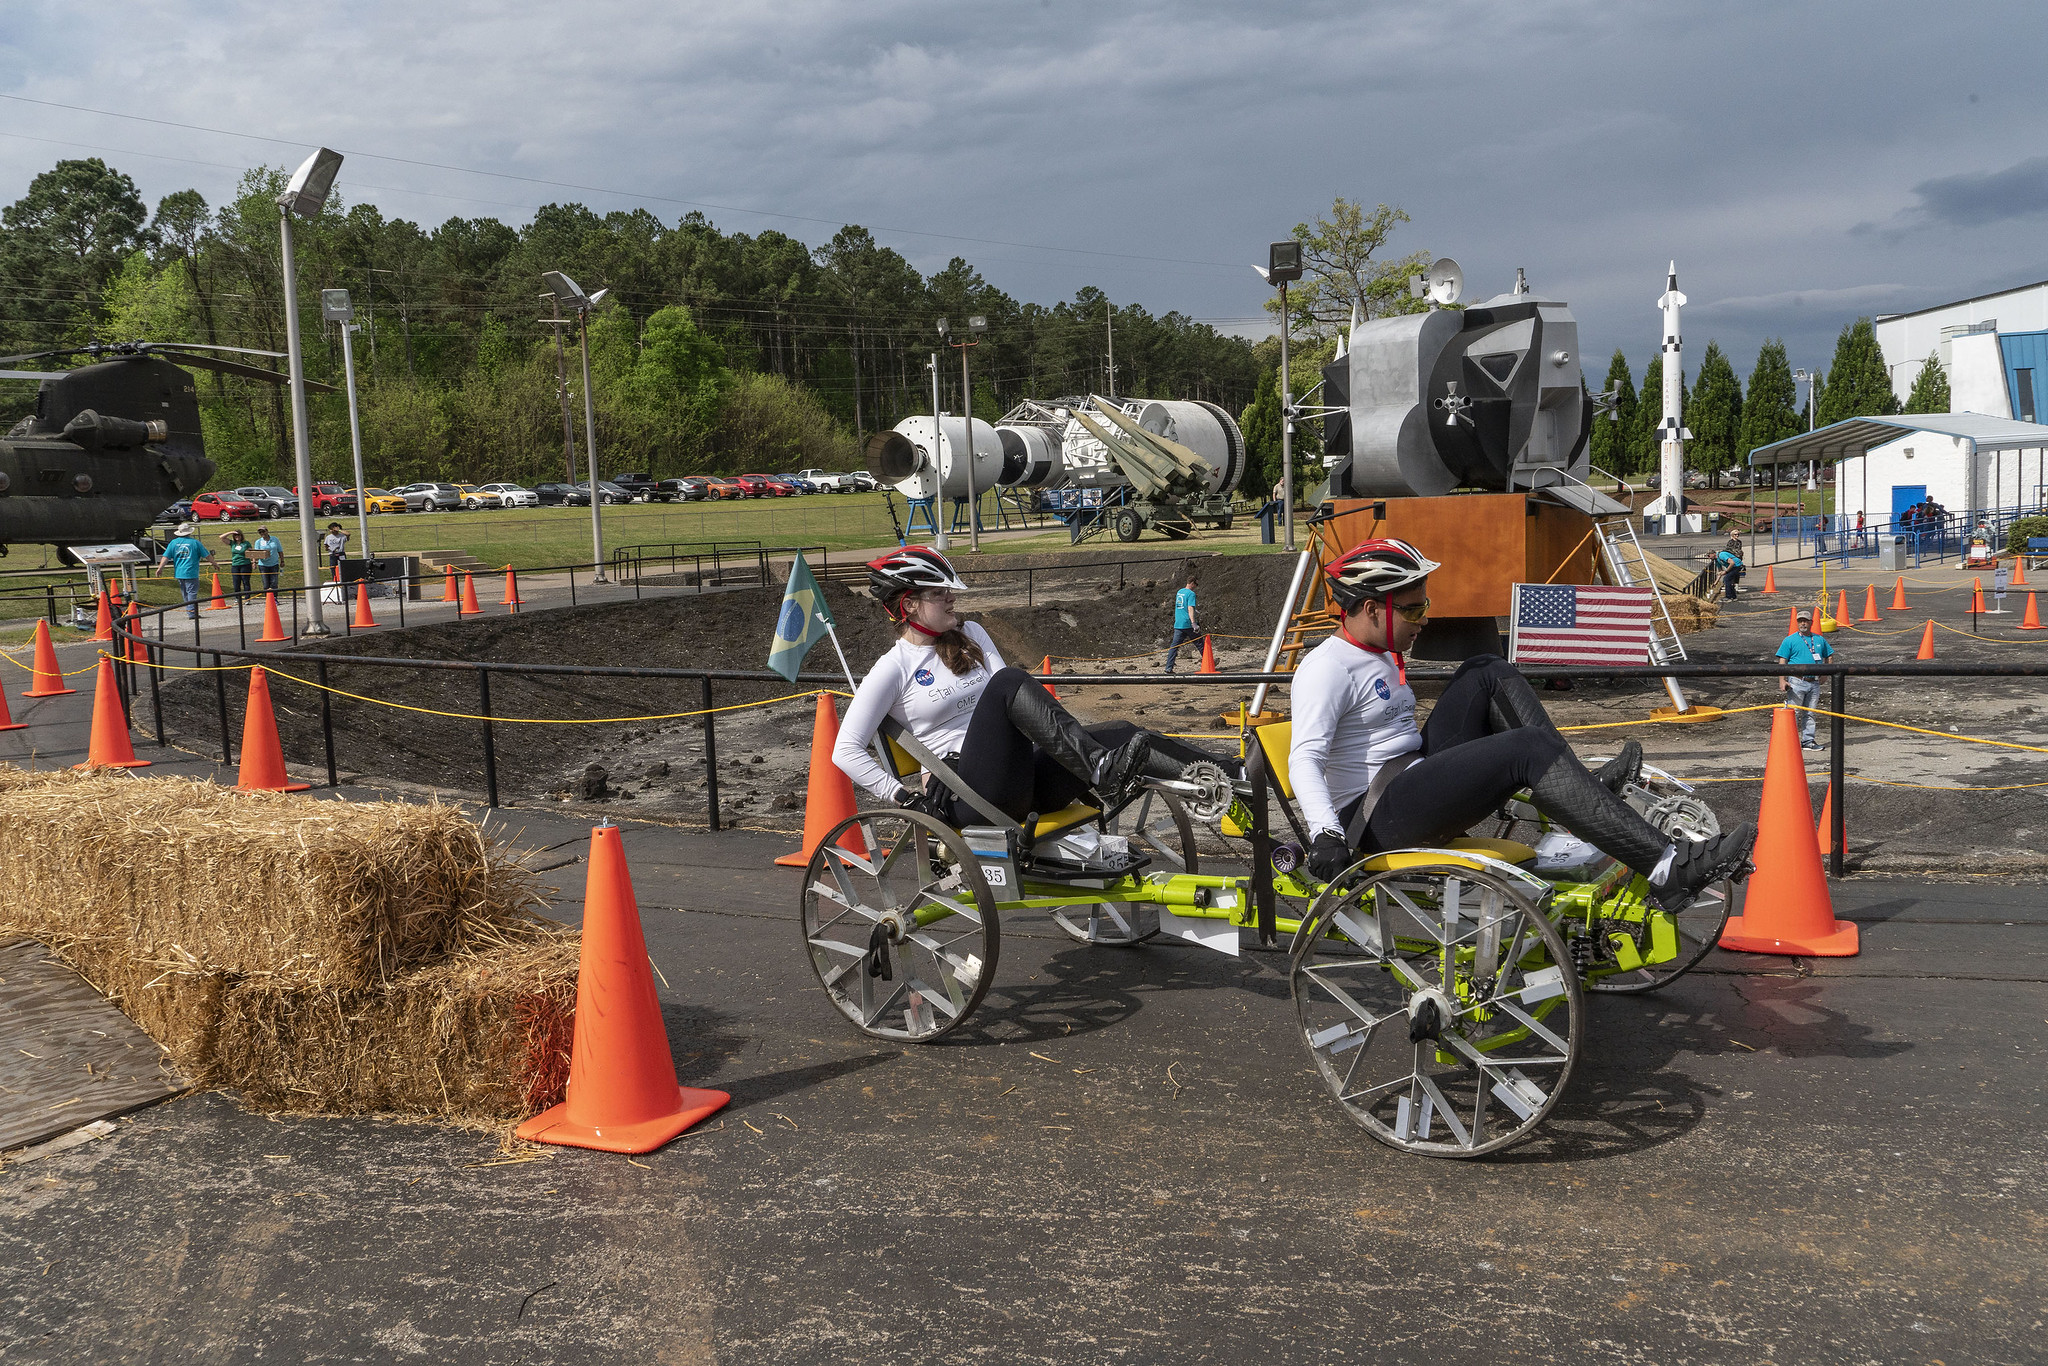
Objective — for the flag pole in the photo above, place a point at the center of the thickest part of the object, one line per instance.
(848, 671)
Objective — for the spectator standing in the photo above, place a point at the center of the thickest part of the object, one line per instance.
(269, 557)
(1184, 627)
(238, 559)
(1729, 561)
(184, 555)
(1804, 649)
(335, 542)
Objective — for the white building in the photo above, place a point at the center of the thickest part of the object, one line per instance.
(1907, 339)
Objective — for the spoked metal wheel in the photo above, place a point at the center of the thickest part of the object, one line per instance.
(902, 934)
(1439, 1005)
(1157, 824)
(1698, 928)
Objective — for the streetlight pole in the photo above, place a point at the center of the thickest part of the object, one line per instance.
(1283, 263)
(938, 449)
(569, 292)
(336, 308)
(305, 195)
(977, 323)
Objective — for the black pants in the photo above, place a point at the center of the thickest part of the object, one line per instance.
(1729, 578)
(269, 577)
(241, 577)
(1002, 765)
(1475, 757)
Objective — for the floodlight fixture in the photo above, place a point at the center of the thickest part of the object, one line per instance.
(978, 323)
(942, 327)
(335, 306)
(310, 185)
(571, 296)
(1283, 262)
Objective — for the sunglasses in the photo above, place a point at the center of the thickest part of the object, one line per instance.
(1414, 613)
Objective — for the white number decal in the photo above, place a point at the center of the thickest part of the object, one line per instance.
(995, 875)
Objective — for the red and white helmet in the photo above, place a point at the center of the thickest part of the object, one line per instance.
(909, 570)
(1375, 570)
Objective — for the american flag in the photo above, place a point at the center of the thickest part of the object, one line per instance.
(1580, 624)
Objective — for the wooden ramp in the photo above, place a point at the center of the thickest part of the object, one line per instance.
(67, 1055)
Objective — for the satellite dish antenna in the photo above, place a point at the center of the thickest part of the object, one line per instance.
(1446, 281)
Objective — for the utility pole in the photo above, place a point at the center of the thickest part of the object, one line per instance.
(938, 447)
(1109, 329)
(977, 323)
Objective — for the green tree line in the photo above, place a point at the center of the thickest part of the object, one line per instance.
(712, 352)
(1728, 422)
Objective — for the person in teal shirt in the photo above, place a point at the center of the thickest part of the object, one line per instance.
(269, 556)
(1184, 627)
(184, 555)
(238, 559)
(1804, 649)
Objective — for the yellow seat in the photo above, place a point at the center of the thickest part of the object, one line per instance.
(1063, 818)
(1275, 739)
(1506, 851)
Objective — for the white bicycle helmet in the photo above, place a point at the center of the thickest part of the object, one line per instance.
(1376, 570)
(909, 570)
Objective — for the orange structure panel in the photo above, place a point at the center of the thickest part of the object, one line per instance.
(1485, 541)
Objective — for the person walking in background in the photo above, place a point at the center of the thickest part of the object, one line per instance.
(269, 557)
(184, 555)
(238, 559)
(1184, 627)
(1804, 649)
(335, 542)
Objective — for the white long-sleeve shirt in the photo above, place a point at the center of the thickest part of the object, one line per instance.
(1352, 713)
(912, 684)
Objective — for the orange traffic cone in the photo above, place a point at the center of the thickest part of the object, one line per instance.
(623, 1096)
(1824, 833)
(1787, 908)
(2019, 571)
(363, 618)
(1870, 603)
(262, 758)
(220, 599)
(448, 593)
(7, 721)
(1792, 622)
(46, 678)
(1899, 595)
(103, 625)
(273, 627)
(1770, 578)
(829, 799)
(138, 653)
(511, 599)
(114, 596)
(1842, 605)
(110, 746)
(2032, 620)
(1208, 656)
(469, 607)
(336, 579)
(1977, 595)
(1045, 672)
(1926, 643)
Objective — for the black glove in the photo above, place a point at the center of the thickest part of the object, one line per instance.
(927, 801)
(1329, 854)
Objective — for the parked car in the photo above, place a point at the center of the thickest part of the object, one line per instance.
(383, 500)
(180, 511)
(562, 495)
(681, 490)
(863, 482)
(475, 498)
(769, 487)
(432, 497)
(718, 487)
(801, 485)
(224, 507)
(330, 498)
(512, 495)
(274, 501)
(637, 483)
(610, 492)
(829, 481)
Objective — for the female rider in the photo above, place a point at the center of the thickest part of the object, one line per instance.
(1008, 738)
(1369, 780)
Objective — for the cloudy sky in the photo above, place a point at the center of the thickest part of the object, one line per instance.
(1804, 163)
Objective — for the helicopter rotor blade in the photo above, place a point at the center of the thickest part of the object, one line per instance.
(201, 346)
(30, 374)
(39, 355)
(228, 367)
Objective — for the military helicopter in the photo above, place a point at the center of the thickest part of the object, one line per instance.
(112, 442)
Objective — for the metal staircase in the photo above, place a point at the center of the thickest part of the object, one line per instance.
(1623, 555)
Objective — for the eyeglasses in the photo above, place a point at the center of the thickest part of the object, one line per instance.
(1414, 613)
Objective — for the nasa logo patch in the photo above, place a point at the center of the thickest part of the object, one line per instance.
(1379, 687)
(923, 678)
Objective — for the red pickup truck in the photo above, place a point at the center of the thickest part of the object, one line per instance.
(332, 498)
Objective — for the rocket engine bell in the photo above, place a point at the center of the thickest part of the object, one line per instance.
(1490, 397)
(924, 463)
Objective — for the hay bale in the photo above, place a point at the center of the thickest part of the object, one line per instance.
(481, 1036)
(313, 893)
(1690, 614)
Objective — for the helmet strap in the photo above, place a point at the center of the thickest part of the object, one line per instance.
(1400, 661)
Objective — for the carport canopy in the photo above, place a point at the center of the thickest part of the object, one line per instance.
(1855, 436)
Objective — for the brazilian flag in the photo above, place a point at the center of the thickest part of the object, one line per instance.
(801, 624)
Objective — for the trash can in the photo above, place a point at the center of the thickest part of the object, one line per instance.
(1891, 554)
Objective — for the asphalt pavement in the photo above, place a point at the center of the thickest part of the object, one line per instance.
(1126, 1157)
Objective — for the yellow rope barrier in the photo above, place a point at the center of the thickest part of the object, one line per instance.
(548, 720)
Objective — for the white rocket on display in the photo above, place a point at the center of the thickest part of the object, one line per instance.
(1671, 432)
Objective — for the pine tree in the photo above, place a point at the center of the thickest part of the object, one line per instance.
(1859, 383)
(1645, 449)
(1930, 389)
(1715, 415)
(1260, 423)
(1607, 444)
(1769, 413)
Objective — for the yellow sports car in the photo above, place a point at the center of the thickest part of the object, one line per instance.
(379, 500)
